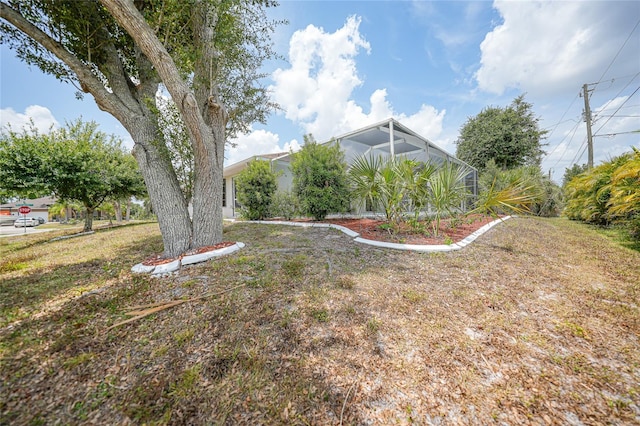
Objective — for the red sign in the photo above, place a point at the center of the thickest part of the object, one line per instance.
(24, 209)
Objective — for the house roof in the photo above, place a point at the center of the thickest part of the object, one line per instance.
(38, 203)
(236, 168)
(385, 138)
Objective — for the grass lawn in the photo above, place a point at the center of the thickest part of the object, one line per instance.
(537, 322)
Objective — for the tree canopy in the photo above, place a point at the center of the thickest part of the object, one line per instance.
(75, 163)
(509, 136)
(207, 54)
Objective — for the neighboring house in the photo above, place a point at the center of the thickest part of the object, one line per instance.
(39, 209)
(388, 138)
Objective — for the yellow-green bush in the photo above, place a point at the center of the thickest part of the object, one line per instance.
(608, 193)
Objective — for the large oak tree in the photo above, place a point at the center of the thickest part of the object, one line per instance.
(206, 53)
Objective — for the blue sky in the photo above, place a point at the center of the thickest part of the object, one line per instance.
(431, 65)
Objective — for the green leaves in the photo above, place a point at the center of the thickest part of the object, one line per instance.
(510, 136)
(401, 186)
(75, 163)
(607, 193)
(255, 186)
(320, 179)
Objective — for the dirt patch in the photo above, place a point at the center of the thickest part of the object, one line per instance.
(537, 322)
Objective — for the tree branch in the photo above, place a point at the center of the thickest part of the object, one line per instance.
(88, 81)
(129, 18)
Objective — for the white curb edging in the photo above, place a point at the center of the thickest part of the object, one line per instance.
(426, 248)
(166, 268)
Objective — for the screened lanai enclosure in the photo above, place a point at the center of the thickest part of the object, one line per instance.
(387, 139)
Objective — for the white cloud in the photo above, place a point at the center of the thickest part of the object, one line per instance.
(316, 91)
(546, 46)
(255, 143)
(41, 116)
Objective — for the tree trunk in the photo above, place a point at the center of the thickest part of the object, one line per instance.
(118, 209)
(208, 148)
(205, 121)
(88, 220)
(163, 187)
(207, 188)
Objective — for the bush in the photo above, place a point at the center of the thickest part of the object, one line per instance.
(608, 194)
(255, 186)
(285, 204)
(320, 179)
(524, 189)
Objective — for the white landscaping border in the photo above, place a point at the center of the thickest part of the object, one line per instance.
(167, 268)
(423, 248)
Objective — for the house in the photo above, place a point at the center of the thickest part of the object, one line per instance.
(39, 209)
(388, 138)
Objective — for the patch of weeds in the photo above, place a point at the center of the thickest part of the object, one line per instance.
(345, 282)
(373, 325)
(78, 360)
(578, 363)
(416, 226)
(321, 315)
(575, 329)
(287, 319)
(316, 294)
(160, 351)
(350, 310)
(186, 385)
(447, 240)
(190, 283)
(618, 404)
(102, 392)
(455, 221)
(13, 266)
(80, 410)
(294, 267)
(389, 227)
(183, 337)
(409, 412)
(413, 296)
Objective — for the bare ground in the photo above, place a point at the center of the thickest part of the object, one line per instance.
(537, 322)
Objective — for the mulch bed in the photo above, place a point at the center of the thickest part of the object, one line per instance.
(449, 231)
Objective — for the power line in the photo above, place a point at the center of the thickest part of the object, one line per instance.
(619, 50)
(579, 154)
(616, 96)
(620, 133)
(565, 113)
(575, 129)
(625, 101)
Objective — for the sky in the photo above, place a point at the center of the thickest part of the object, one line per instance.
(430, 65)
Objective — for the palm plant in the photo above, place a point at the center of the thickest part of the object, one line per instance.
(364, 182)
(447, 191)
(416, 177)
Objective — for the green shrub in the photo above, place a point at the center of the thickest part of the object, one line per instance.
(608, 194)
(285, 204)
(255, 186)
(320, 179)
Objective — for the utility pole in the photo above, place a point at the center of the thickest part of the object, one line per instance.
(587, 118)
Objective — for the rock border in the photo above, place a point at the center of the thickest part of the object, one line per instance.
(170, 267)
(423, 248)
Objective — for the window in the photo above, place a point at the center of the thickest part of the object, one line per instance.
(224, 192)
